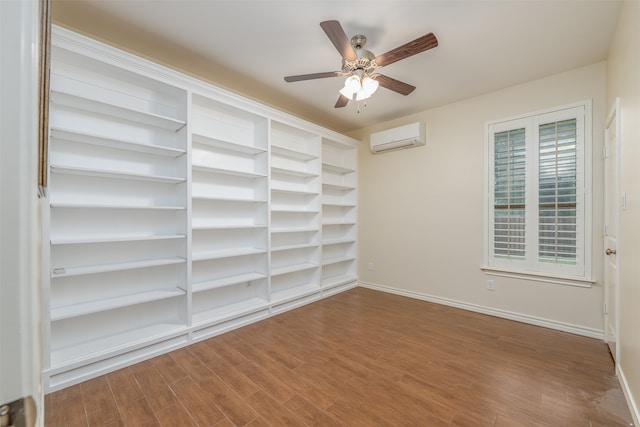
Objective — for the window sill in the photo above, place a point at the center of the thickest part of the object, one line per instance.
(539, 277)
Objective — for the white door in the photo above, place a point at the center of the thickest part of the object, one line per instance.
(611, 218)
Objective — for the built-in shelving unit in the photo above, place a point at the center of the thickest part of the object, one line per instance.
(176, 211)
(117, 211)
(229, 151)
(295, 213)
(339, 201)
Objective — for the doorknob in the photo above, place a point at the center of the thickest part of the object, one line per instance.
(610, 251)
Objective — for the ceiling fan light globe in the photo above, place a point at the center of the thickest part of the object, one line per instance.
(369, 86)
(353, 84)
(346, 92)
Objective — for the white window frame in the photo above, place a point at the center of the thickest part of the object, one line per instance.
(530, 267)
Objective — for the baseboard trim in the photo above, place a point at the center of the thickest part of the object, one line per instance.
(631, 402)
(518, 317)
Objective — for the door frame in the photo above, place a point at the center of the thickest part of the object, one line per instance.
(613, 119)
(20, 293)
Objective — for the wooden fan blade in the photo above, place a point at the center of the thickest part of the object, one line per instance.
(311, 76)
(393, 84)
(342, 101)
(339, 38)
(418, 45)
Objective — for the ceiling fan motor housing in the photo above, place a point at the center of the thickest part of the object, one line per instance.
(364, 57)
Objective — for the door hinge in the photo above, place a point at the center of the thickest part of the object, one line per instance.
(605, 151)
(606, 309)
(20, 413)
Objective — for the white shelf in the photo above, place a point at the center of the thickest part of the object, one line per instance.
(114, 239)
(229, 199)
(95, 269)
(292, 269)
(292, 154)
(338, 241)
(342, 170)
(304, 209)
(342, 279)
(227, 226)
(107, 206)
(229, 311)
(231, 172)
(294, 229)
(68, 170)
(339, 204)
(107, 345)
(338, 187)
(292, 247)
(226, 145)
(120, 144)
(293, 172)
(338, 222)
(293, 293)
(111, 303)
(337, 260)
(96, 106)
(227, 281)
(229, 253)
(294, 192)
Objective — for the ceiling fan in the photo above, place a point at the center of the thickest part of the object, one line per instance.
(359, 64)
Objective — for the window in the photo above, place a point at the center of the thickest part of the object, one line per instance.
(538, 201)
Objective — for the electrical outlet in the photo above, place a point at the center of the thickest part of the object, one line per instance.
(370, 266)
(491, 285)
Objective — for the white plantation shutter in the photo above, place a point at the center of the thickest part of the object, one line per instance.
(536, 193)
(560, 146)
(509, 194)
(557, 192)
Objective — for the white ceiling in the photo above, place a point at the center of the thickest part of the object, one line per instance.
(483, 45)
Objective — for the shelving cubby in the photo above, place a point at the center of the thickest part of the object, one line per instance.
(117, 220)
(229, 149)
(339, 201)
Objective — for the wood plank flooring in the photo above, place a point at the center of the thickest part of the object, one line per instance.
(361, 358)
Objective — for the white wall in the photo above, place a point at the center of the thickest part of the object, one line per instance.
(623, 80)
(20, 348)
(421, 209)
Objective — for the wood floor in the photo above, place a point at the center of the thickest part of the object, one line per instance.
(361, 358)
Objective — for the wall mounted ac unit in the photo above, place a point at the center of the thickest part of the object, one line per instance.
(406, 136)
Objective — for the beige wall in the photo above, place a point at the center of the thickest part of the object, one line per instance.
(421, 209)
(623, 80)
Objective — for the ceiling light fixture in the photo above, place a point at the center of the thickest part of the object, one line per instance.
(359, 87)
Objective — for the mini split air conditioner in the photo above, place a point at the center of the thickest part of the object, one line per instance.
(407, 136)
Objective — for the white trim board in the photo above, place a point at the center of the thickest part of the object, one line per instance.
(631, 402)
(518, 317)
